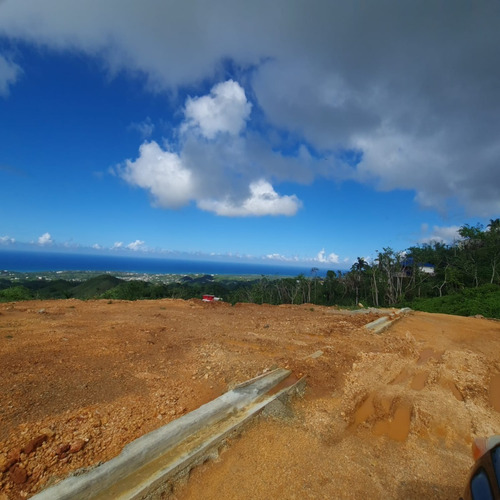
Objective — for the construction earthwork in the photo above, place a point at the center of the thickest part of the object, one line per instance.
(384, 415)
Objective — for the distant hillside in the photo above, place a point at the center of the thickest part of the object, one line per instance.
(333, 290)
(201, 280)
(57, 289)
(4, 283)
(49, 289)
(94, 287)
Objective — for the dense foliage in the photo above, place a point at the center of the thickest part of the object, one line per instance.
(462, 278)
(483, 300)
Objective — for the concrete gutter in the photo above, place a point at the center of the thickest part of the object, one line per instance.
(148, 466)
(367, 310)
(381, 324)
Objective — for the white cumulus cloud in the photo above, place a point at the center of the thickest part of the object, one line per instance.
(226, 109)
(45, 239)
(440, 234)
(117, 245)
(162, 173)
(214, 167)
(331, 258)
(136, 245)
(263, 200)
(6, 240)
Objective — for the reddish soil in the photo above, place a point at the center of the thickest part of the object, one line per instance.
(383, 416)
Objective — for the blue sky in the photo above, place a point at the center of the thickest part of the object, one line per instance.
(287, 132)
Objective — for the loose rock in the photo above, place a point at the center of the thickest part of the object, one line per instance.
(34, 444)
(62, 449)
(77, 446)
(18, 474)
(8, 464)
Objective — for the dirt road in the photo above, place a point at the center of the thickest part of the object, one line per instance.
(384, 416)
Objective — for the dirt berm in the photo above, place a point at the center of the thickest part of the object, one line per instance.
(383, 416)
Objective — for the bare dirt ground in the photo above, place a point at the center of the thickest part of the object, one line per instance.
(383, 416)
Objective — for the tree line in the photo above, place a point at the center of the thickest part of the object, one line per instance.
(425, 271)
(462, 278)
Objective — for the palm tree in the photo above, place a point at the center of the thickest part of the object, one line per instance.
(494, 226)
(357, 268)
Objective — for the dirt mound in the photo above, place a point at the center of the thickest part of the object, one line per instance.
(384, 416)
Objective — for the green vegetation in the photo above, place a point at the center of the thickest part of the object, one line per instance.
(462, 278)
(483, 300)
(56, 289)
(95, 287)
(15, 293)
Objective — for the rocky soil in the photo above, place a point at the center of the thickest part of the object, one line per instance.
(383, 416)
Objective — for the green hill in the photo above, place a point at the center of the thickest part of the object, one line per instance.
(95, 287)
(48, 289)
(4, 283)
(206, 278)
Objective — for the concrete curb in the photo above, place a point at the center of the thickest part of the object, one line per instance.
(147, 467)
(381, 324)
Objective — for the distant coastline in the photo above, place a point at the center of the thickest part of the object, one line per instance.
(22, 261)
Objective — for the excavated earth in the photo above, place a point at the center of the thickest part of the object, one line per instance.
(383, 416)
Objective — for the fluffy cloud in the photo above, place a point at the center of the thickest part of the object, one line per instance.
(9, 73)
(136, 245)
(263, 200)
(6, 240)
(214, 167)
(226, 109)
(413, 86)
(440, 234)
(162, 173)
(330, 258)
(119, 245)
(320, 258)
(45, 239)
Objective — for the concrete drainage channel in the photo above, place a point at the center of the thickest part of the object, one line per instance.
(384, 322)
(148, 466)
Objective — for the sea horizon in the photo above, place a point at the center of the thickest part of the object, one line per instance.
(32, 262)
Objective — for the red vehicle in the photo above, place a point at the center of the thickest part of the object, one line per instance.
(210, 298)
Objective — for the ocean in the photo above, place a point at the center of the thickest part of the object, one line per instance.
(51, 261)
